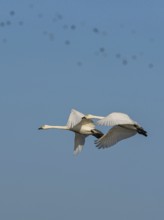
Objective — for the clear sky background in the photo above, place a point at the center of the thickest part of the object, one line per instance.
(97, 56)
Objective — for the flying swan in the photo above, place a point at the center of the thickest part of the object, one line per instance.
(81, 126)
(122, 127)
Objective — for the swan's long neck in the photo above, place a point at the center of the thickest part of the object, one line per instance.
(98, 117)
(89, 116)
(54, 127)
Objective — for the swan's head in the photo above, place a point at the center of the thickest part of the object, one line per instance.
(43, 127)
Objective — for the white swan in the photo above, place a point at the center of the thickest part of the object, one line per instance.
(81, 126)
(123, 127)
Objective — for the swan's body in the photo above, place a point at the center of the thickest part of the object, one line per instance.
(123, 127)
(81, 126)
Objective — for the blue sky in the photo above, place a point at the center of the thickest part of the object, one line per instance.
(97, 57)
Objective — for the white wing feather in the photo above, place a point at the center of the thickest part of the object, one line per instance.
(79, 143)
(74, 118)
(113, 136)
(115, 118)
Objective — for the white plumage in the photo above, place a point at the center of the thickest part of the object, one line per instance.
(123, 127)
(81, 126)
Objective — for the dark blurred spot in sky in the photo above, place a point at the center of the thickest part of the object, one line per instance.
(151, 65)
(8, 23)
(12, 13)
(59, 16)
(118, 55)
(152, 40)
(134, 57)
(51, 36)
(102, 49)
(96, 30)
(2, 24)
(67, 42)
(4, 40)
(21, 23)
(79, 63)
(124, 62)
(73, 27)
(40, 15)
(31, 5)
(45, 32)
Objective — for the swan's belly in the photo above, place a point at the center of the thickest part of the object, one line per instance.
(83, 129)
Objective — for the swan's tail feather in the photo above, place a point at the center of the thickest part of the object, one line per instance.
(142, 131)
(96, 133)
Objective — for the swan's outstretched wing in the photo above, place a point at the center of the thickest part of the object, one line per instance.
(79, 143)
(115, 118)
(113, 136)
(74, 118)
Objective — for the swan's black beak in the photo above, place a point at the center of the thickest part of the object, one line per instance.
(40, 128)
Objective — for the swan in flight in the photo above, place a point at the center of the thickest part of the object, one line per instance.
(122, 127)
(81, 126)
